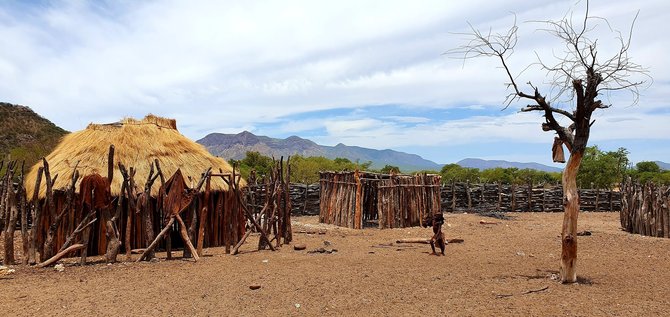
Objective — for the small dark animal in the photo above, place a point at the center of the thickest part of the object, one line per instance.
(436, 221)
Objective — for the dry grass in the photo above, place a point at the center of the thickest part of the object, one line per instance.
(137, 143)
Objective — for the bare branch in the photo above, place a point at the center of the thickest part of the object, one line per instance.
(577, 75)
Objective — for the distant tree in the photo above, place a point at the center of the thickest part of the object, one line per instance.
(602, 169)
(306, 169)
(456, 173)
(388, 169)
(647, 171)
(584, 71)
(428, 172)
(254, 161)
(498, 175)
(648, 167)
(342, 160)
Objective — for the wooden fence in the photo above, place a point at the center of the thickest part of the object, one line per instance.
(359, 199)
(522, 198)
(646, 209)
(461, 197)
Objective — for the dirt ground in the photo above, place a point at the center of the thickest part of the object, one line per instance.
(503, 269)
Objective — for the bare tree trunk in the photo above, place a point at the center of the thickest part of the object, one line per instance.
(569, 231)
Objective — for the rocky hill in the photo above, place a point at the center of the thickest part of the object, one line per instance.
(235, 146)
(25, 135)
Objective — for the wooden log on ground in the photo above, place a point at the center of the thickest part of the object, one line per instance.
(61, 254)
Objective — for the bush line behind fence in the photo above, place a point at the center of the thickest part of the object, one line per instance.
(464, 197)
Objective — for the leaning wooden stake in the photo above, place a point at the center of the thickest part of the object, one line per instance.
(248, 213)
(88, 220)
(187, 240)
(59, 255)
(158, 239)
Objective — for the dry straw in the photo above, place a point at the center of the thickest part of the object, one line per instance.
(137, 143)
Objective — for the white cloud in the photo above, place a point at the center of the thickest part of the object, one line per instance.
(223, 66)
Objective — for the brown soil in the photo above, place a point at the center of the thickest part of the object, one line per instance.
(504, 269)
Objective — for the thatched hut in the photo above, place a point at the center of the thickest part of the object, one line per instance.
(138, 143)
(363, 199)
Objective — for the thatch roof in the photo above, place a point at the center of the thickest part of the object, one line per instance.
(137, 143)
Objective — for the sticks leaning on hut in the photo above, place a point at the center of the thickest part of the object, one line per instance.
(47, 250)
(275, 215)
(177, 198)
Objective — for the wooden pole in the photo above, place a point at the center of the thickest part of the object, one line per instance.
(36, 214)
(187, 240)
(358, 222)
(11, 213)
(23, 210)
(203, 216)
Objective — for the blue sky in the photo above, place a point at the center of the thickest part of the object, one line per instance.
(364, 73)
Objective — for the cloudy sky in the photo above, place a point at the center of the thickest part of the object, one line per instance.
(365, 73)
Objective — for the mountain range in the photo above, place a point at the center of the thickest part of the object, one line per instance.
(27, 136)
(235, 146)
(486, 164)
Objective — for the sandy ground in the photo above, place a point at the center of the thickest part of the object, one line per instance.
(505, 269)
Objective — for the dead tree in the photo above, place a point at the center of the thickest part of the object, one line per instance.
(578, 77)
